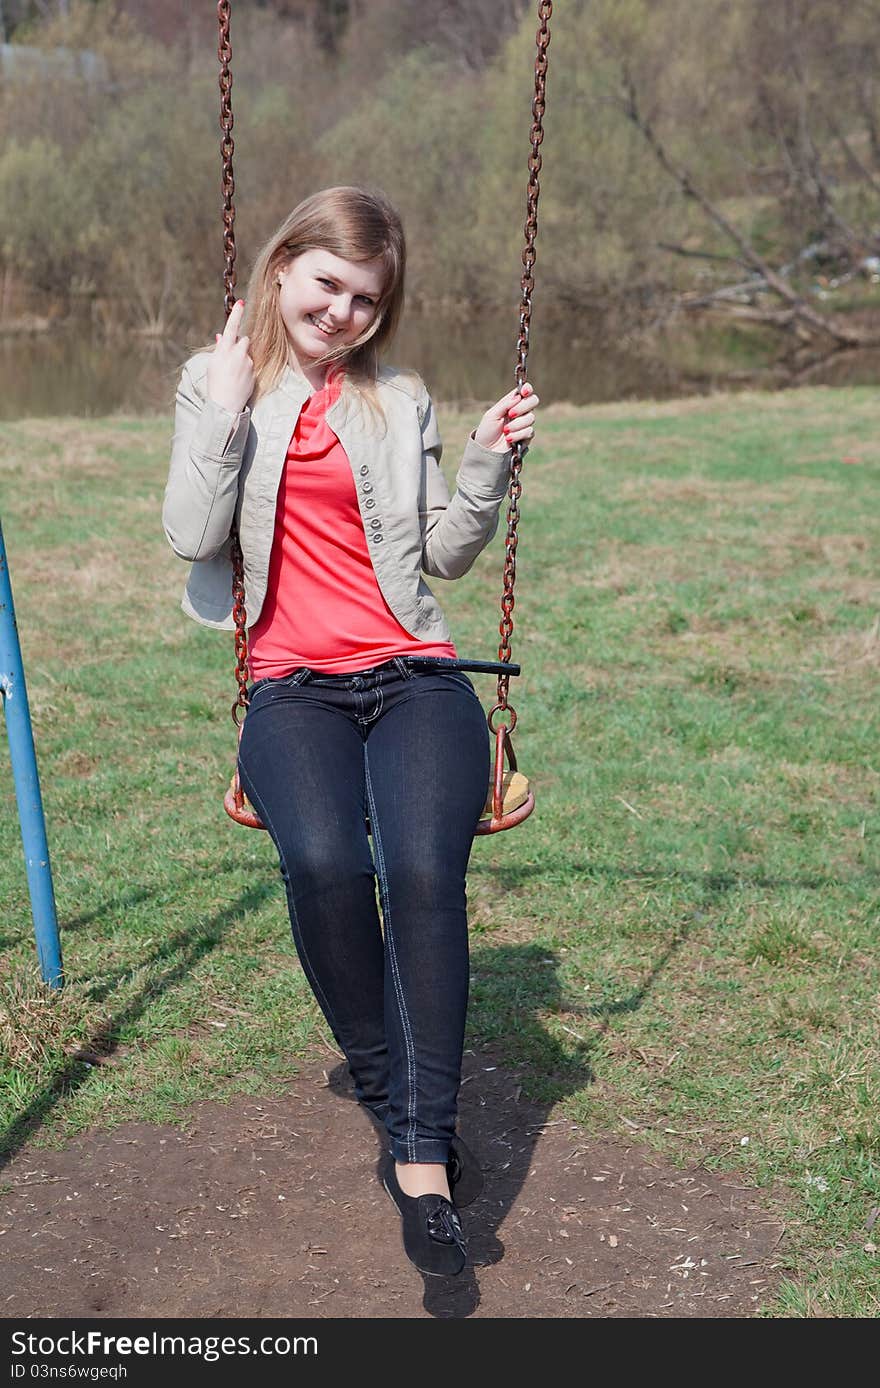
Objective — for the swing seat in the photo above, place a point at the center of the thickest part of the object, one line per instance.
(239, 808)
(508, 802)
(515, 794)
(510, 799)
(517, 804)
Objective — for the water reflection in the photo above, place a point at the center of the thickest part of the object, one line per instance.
(573, 357)
(65, 373)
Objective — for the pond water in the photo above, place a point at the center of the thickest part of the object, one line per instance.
(574, 357)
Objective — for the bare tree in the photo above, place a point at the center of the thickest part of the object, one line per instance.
(804, 168)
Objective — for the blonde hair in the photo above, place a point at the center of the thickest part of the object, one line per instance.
(355, 224)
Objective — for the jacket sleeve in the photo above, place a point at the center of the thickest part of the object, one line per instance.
(456, 529)
(206, 455)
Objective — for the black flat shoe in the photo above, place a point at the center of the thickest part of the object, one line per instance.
(432, 1232)
(463, 1173)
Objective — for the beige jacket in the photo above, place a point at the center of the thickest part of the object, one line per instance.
(226, 466)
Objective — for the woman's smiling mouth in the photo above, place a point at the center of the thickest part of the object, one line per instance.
(328, 332)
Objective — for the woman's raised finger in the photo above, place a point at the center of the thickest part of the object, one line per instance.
(230, 332)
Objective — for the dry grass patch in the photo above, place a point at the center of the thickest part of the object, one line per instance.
(848, 652)
(859, 592)
(827, 781)
(854, 453)
(39, 1024)
(45, 449)
(724, 493)
(783, 548)
(714, 405)
(844, 548)
(822, 402)
(75, 763)
(561, 410)
(109, 571)
(625, 567)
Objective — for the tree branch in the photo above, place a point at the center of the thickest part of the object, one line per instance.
(701, 255)
(801, 311)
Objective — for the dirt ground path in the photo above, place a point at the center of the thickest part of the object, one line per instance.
(272, 1207)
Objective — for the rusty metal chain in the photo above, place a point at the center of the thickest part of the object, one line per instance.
(227, 147)
(505, 627)
(239, 616)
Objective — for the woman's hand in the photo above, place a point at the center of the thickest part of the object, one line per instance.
(231, 376)
(508, 422)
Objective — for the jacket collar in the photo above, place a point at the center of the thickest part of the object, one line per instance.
(298, 390)
(294, 385)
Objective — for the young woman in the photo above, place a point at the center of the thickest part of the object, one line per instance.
(328, 464)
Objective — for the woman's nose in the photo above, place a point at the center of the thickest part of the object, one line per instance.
(340, 310)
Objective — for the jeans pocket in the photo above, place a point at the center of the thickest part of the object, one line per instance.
(271, 683)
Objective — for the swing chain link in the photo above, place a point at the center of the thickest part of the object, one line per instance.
(239, 616)
(505, 627)
(227, 147)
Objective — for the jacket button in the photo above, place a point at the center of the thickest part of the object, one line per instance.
(364, 471)
(376, 523)
(367, 487)
(369, 503)
(377, 539)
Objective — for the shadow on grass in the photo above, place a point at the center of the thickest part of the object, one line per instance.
(515, 987)
(511, 876)
(506, 1104)
(188, 947)
(111, 905)
(115, 905)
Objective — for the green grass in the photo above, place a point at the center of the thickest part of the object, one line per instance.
(680, 946)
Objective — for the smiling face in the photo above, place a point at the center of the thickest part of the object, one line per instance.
(326, 302)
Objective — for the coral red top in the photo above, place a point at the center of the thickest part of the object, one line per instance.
(324, 607)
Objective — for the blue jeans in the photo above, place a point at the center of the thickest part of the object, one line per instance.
(407, 747)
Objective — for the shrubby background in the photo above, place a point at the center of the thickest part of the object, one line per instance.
(109, 142)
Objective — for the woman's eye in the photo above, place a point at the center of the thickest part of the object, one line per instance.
(331, 285)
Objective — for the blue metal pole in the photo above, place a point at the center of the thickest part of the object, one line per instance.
(27, 784)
